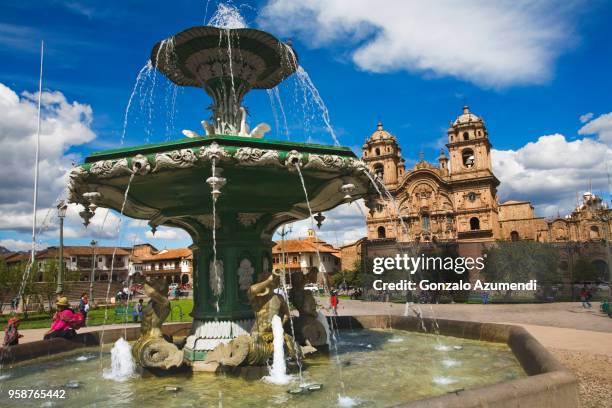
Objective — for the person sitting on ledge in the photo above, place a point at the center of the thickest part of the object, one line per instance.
(11, 332)
(65, 321)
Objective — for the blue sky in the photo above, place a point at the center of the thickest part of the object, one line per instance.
(531, 69)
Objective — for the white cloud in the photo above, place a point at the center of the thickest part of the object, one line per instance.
(16, 245)
(586, 117)
(342, 225)
(64, 125)
(601, 127)
(493, 44)
(551, 171)
(167, 234)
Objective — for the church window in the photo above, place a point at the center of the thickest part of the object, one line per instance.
(379, 207)
(474, 224)
(425, 222)
(381, 232)
(466, 136)
(468, 158)
(471, 196)
(379, 171)
(514, 236)
(377, 151)
(594, 232)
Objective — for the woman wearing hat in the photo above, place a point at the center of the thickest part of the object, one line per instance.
(63, 321)
(11, 332)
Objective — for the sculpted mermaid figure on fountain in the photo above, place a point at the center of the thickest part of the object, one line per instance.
(151, 349)
(256, 349)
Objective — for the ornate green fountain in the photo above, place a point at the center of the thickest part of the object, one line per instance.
(229, 189)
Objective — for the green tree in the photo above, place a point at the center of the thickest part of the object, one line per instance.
(352, 277)
(46, 287)
(521, 261)
(10, 280)
(584, 271)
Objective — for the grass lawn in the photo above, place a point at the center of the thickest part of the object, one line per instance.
(180, 313)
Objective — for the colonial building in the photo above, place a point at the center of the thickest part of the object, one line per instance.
(175, 265)
(455, 200)
(81, 258)
(295, 255)
(350, 255)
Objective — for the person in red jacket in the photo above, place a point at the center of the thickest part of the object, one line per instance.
(333, 301)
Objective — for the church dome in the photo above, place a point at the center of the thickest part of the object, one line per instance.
(381, 134)
(466, 117)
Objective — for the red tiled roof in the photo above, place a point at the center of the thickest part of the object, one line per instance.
(7, 255)
(302, 245)
(17, 257)
(99, 250)
(177, 253)
(53, 252)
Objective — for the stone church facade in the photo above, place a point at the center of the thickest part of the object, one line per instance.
(455, 200)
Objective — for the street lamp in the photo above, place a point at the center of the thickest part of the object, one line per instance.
(93, 244)
(61, 213)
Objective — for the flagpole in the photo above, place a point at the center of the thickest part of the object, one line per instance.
(35, 206)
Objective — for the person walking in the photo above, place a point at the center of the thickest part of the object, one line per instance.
(333, 301)
(585, 296)
(137, 312)
(84, 305)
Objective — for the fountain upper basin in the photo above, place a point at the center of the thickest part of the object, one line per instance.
(261, 180)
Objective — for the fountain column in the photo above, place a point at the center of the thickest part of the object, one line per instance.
(221, 309)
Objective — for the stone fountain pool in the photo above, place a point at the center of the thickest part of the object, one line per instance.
(379, 368)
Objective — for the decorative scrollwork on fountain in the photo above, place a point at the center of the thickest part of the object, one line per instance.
(358, 166)
(250, 156)
(140, 165)
(248, 219)
(176, 159)
(214, 151)
(293, 157)
(326, 162)
(151, 350)
(110, 168)
(245, 274)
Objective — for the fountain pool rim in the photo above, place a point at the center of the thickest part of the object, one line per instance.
(548, 383)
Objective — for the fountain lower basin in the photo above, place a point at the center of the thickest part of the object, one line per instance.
(500, 365)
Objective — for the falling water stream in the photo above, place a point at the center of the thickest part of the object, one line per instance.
(110, 277)
(335, 329)
(218, 282)
(278, 371)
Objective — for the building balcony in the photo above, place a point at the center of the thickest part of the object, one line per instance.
(162, 271)
(475, 234)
